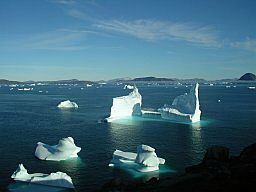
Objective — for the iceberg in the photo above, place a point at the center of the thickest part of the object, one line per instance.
(184, 108)
(128, 87)
(126, 106)
(145, 160)
(58, 179)
(65, 149)
(67, 104)
(88, 85)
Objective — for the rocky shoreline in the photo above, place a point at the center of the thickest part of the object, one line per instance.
(217, 172)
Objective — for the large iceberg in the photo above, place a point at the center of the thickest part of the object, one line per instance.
(126, 106)
(184, 108)
(145, 160)
(65, 149)
(58, 179)
(67, 104)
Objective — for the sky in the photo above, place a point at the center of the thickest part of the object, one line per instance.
(107, 39)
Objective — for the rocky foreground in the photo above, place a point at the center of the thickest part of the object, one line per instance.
(217, 172)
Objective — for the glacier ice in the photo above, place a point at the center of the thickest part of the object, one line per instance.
(126, 106)
(67, 104)
(184, 108)
(65, 149)
(58, 179)
(145, 160)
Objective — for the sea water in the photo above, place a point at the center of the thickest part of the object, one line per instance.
(27, 117)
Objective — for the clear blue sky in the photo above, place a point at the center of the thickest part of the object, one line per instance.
(93, 40)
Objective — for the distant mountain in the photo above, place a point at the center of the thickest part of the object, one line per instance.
(248, 77)
(69, 81)
(7, 82)
(151, 79)
(198, 80)
(120, 79)
(155, 79)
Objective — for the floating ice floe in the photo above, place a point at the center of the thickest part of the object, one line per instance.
(25, 89)
(126, 106)
(145, 160)
(13, 85)
(58, 179)
(128, 87)
(251, 87)
(88, 85)
(65, 149)
(67, 104)
(184, 108)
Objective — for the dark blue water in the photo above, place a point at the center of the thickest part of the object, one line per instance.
(29, 117)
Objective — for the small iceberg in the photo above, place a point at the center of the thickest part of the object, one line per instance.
(128, 87)
(88, 85)
(126, 106)
(184, 108)
(251, 87)
(145, 160)
(67, 104)
(65, 149)
(58, 179)
(25, 89)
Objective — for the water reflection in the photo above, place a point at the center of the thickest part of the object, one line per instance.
(66, 114)
(196, 149)
(28, 187)
(73, 165)
(130, 169)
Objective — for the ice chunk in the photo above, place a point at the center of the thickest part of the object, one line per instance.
(67, 104)
(145, 160)
(184, 108)
(88, 85)
(58, 179)
(25, 89)
(126, 106)
(128, 87)
(65, 149)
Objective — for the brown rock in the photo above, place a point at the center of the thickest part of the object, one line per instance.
(249, 154)
(218, 153)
